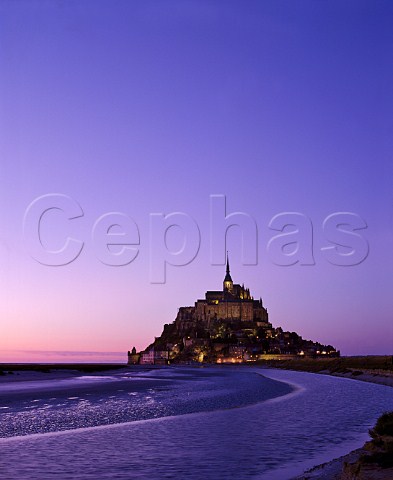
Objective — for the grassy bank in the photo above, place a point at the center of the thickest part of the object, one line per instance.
(373, 364)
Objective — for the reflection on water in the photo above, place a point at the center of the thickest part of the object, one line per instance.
(275, 439)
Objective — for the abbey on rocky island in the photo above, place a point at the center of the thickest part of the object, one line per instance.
(228, 325)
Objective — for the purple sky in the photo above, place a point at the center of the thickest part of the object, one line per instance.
(153, 106)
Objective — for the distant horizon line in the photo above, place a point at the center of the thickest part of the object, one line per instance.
(21, 356)
(87, 354)
(63, 352)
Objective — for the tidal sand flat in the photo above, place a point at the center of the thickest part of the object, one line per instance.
(41, 406)
(212, 423)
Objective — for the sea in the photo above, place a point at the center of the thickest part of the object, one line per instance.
(183, 422)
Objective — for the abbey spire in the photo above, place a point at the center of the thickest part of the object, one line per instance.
(228, 283)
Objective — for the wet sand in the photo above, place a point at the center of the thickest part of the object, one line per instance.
(332, 470)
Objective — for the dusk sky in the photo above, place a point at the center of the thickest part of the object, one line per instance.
(158, 107)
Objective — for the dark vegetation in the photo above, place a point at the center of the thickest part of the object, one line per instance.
(48, 368)
(380, 448)
(353, 365)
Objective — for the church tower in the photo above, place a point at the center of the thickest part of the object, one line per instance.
(228, 284)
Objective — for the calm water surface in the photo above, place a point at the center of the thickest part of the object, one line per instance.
(185, 423)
